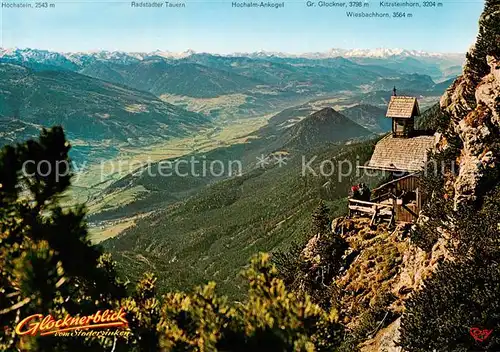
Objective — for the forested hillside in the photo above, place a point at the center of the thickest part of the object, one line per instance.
(213, 234)
(89, 109)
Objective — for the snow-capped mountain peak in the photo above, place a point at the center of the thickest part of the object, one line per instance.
(83, 58)
(347, 53)
(373, 53)
(173, 55)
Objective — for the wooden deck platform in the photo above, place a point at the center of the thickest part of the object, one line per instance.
(383, 210)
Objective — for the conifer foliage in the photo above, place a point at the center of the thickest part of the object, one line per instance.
(461, 297)
(463, 294)
(321, 220)
(47, 265)
(271, 319)
(312, 268)
(487, 42)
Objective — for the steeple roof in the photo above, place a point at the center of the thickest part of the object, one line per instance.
(403, 107)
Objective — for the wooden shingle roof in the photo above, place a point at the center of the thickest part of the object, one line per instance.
(408, 154)
(405, 107)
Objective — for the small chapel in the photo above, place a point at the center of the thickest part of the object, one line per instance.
(403, 154)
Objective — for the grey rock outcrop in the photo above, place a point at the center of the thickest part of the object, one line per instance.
(475, 121)
(472, 104)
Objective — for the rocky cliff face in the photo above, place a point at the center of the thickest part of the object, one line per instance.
(381, 270)
(477, 124)
(384, 266)
(472, 104)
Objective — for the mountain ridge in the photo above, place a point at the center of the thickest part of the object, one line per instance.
(89, 108)
(330, 53)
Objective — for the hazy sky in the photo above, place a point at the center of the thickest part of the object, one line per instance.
(214, 26)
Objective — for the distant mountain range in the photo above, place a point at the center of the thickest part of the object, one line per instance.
(158, 76)
(77, 57)
(130, 97)
(273, 78)
(437, 65)
(348, 53)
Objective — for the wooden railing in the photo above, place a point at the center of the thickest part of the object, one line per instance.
(371, 208)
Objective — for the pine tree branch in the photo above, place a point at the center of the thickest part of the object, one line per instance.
(15, 306)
